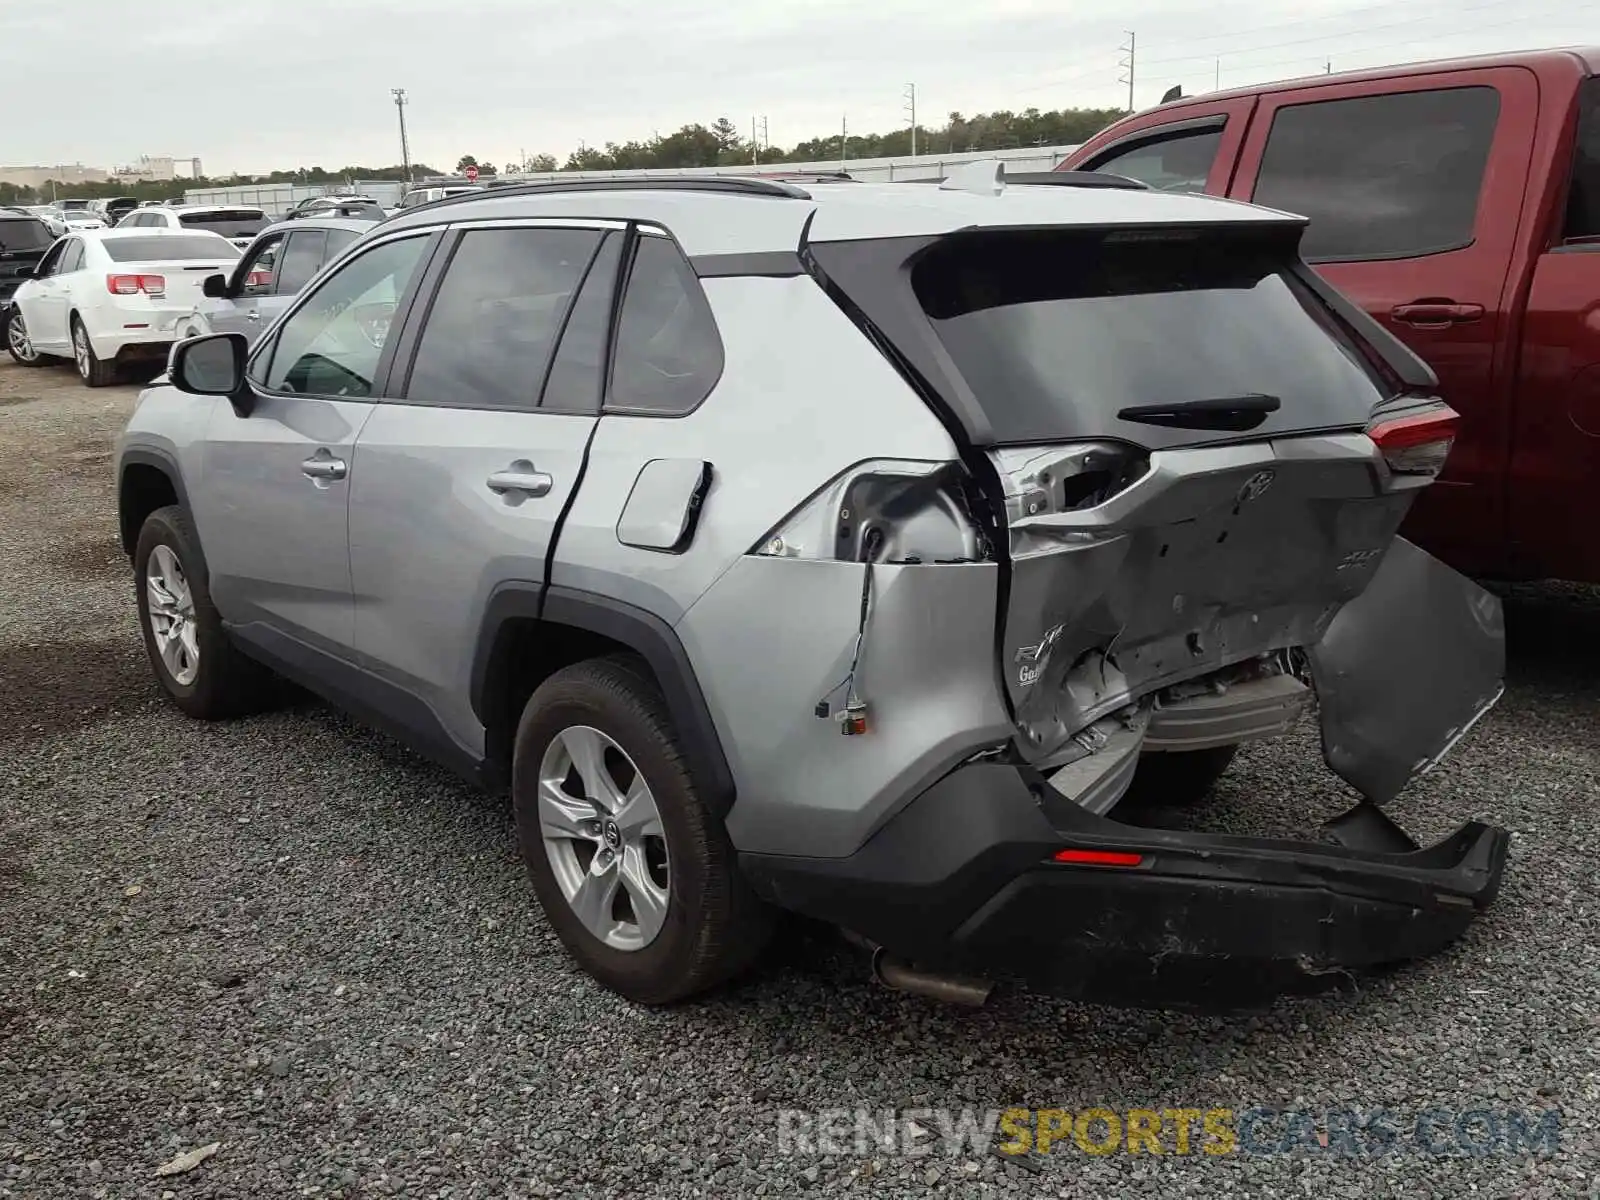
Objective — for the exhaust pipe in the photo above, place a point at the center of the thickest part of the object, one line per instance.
(952, 989)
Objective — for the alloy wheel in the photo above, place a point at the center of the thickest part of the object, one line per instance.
(170, 604)
(603, 836)
(17, 336)
(80, 350)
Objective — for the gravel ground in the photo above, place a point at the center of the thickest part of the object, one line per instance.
(293, 938)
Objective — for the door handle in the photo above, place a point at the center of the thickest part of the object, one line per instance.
(520, 476)
(253, 315)
(323, 466)
(1436, 314)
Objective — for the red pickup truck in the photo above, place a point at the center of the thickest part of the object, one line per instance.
(1459, 203)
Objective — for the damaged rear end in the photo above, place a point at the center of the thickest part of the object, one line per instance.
(1190, 460)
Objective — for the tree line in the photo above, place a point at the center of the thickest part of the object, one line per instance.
(695, 145)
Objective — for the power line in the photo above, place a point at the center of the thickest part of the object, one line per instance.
(1098, 75)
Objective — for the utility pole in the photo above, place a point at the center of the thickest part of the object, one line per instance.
(1218, 86)
(400, 103)
(1127, 65)
(1329, 71)
(911, 104)
(844, 139)
(755, 146)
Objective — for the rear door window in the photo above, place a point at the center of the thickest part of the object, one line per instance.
(669, 354)
(1060, 334)
(497, 314)
(1385, 176)
(578, 369)
(72, 257)
(1583, 196)
(1176, 162)
(300, 260)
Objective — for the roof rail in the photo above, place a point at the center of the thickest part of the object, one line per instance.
(1082, 179)
(743, 185)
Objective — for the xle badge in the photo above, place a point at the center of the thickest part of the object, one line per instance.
(1034, 658)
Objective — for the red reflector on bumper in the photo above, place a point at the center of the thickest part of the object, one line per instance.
(1098, 858)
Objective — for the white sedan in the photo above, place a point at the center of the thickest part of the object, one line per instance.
(238, 223)
(110, 299)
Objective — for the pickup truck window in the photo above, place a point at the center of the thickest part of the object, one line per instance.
(1393, 176)
(1176, 163)
(1583, 198)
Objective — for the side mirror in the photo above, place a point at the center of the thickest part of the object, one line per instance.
(215, 287)
(212, 365)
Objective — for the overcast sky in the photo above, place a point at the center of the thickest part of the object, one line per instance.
(255, 85)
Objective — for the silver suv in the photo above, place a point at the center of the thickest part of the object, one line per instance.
(877, 554)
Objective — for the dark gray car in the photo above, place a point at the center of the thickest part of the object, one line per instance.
(282, 260)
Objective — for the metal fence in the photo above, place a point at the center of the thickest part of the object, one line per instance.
(278, 198)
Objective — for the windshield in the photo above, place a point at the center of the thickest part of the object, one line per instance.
(79, 216)
(23, 233)
(171, 248)
(1057, 333)
(242, 222)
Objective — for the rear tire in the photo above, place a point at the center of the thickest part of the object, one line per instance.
(93, 371)
(695, 923)
(19, 344)
(1177, 779)
(193, 659)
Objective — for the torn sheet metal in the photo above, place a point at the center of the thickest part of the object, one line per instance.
(1404, 670)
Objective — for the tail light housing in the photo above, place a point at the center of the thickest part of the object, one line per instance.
(132, 285)
(1416, 442)
(886, 511)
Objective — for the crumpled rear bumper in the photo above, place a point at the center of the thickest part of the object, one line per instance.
(966, 879)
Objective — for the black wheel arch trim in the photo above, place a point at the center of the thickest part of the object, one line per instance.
(639, 630)
(146, 456)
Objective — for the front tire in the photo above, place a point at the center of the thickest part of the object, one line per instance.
(19, 343)
(634, 872)
(93, 371)
(193, 659)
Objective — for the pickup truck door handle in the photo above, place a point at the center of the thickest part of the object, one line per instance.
(1436, 314)
(253, 315)
(323, 466)
(520, 476)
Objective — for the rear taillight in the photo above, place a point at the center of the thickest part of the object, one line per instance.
(132, 285)
(1098, 858)
(885, 512)
(1418, 442)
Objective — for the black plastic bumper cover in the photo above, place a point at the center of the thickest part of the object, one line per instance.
(963, 879)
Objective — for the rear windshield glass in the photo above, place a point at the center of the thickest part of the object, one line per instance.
(1056, 333)
(244, 223)
(23, 233)
(173, 248)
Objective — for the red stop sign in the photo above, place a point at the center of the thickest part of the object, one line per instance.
(472, 174)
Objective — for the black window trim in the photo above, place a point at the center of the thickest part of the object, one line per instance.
(247, 261)
(1152, 135)
(1398, 255)
(264, 350)
(410, 340)
(607, 408)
